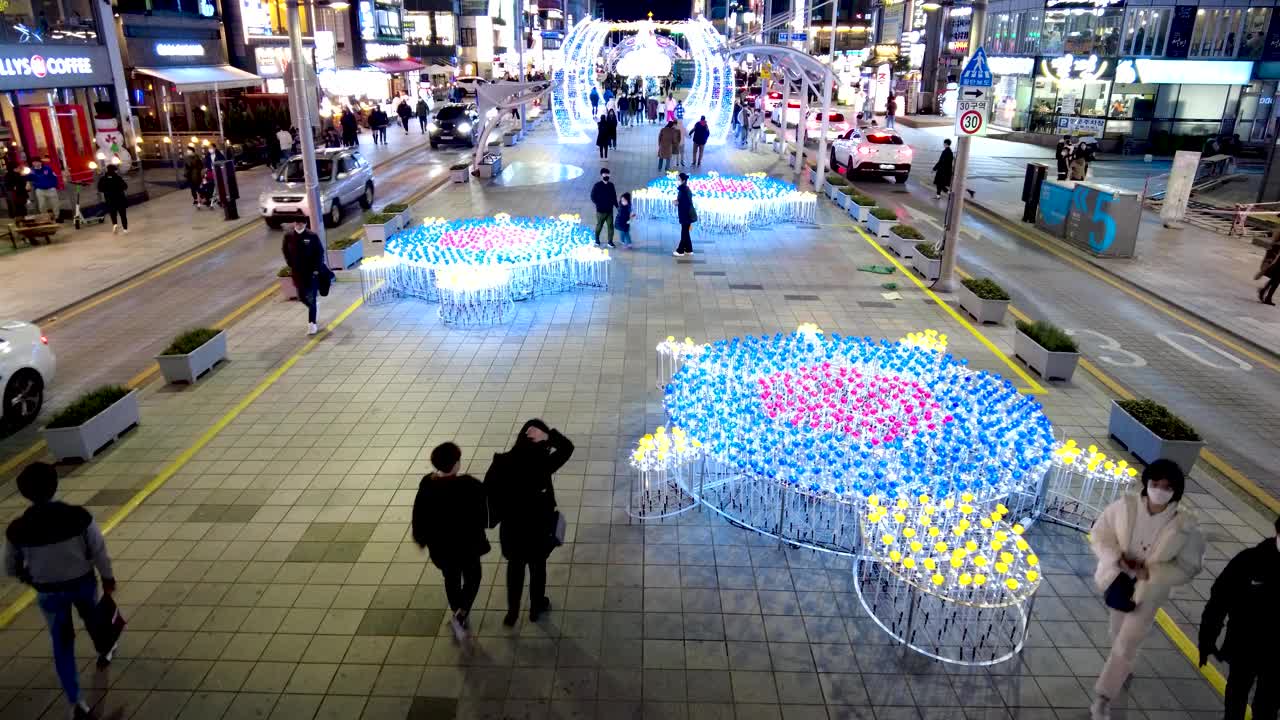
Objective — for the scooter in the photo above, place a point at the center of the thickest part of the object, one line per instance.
(79, 218)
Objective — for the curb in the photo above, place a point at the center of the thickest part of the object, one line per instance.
(998, 219)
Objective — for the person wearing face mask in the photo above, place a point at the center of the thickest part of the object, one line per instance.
(1246, 596)
(1146, 546)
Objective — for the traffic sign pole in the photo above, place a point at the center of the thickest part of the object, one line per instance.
(955, 208)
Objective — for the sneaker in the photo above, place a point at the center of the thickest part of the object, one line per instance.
(82, 711)
(115, 229)
(311, 328)
(125, 231)
(1100, 709)
(612, 245)
(677, 254)
(690, 253)
(105, 659)
(1260, 298)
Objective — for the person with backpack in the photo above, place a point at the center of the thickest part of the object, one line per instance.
(58, 550)
(522, 503)
(450, 515)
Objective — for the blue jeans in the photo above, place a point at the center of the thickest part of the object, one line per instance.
(56, 607)
(663, 163)
(624, 236)
(308, 294)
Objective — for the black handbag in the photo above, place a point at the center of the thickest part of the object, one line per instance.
(106, 626)
(1119, 595)
(324, 280)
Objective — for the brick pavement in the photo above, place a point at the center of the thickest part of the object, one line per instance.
(272, 576)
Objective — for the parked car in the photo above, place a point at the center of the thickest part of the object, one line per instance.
(837, 125)
(872, 151)
(345, 178)
(772, 102)
(455, 123)
(792, 114)
(469, 83)
(27, 365)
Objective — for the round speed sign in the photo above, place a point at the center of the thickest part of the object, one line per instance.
(970, 122)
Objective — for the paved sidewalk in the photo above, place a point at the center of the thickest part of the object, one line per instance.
(41, 280)
(1205, 274)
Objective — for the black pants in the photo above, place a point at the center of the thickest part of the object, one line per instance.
(404, 122)
(422, 123)
(686, 240)
(1241, 680)
(120, 212)
(1266, 292)
(515, 582)
(461, 582)
(195, 192)
(604, 150)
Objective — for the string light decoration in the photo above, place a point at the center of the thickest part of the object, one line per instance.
(1081, 483)
(728, 203)
(663, 461)
(477, 268)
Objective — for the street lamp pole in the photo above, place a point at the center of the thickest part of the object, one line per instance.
(302, 121)
(955, 208)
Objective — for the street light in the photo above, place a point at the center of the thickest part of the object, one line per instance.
(302, 114)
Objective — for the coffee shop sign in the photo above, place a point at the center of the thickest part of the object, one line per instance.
(39, 66)
(1070, 67)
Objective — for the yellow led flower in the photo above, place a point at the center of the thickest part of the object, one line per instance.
(1032, 576)
(899, 517)
(1011, 584)
(909, 563)
(979, 579)
(996, 545)
(970, 546)
(934, 532)
(1006, 557)
(957, 531)
(873, 501)
(1022, 544)
(902, 503)
(924, 499)
(948, 503)
(895, 556)
(1017, 529)
(1032, 560)
(956, 562)
(887, 539)
(940, 546)
(916, 546)
(1000, 508)
(909, 532)
(966, 509)
(1002, 568)
(930, 563)
(938, 579)
(924, 521)
(985, 523)
(963, 524)
(980, 560)
(965, 579)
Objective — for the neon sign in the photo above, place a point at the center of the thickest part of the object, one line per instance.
(1070, 67)
(172, 49)
(382, 51)
(39, 66)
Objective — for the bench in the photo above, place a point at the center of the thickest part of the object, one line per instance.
(32, 230)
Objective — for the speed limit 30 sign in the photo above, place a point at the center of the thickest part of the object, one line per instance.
(972, 109)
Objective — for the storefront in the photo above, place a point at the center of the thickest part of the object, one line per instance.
(1160, 101)
(1011, 87)
(379, 47)
(1069, 95)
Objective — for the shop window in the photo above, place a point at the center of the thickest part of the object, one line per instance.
(446, 29)
(1256, 21)
(1217, 32)
(1132, 101)
(1002, 37)
(467, 37)
(1145, 31)
(388, 21)
(1029, 28)
(49, 21)
(1082, 32)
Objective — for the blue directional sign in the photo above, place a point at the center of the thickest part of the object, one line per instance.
(784, 37)
(977, 73)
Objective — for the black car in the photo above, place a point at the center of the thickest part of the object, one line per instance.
(456, 123)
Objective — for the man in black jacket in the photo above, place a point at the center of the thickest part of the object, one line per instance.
(700, 133)
(687, 214)
(55, 548)
(605, 197)
(1246, 595)
(304, 255)
(450, 515)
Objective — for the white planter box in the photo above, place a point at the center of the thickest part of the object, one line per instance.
(904, 248)
(831, 191)
(288, 290)
(878, 227)
(379, 233)
(1050, 365)
(345, 257)
(859, 212)
(488, 170)
(509, 139)
(84, 441)
(461, 175)
(844, 200)
(186, 368)
(1149, 447)
(984, 311)
(927, 268)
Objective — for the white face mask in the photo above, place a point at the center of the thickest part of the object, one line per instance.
(1159, 496)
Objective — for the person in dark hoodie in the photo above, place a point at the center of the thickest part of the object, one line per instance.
(604, 195)
(56, 549)
(115, 194)
(522, 502)
(449, 519)
(1245, 596)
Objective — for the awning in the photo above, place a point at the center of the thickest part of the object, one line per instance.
(397, 65)
(203, 77)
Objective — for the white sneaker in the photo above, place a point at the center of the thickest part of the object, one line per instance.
(311, 328)
(677, 254)
(115, 229)
(1100, 709)
(125, 231)
(459, 624)
(690, 253)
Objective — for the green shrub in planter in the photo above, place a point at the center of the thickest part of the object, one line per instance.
(344, 243)
(189, 341)
(395, 208)
(378, 218)
(985, 288)
(1157, 418)
(837, 179)
(284, 272)
(863, 200)
(849, 190)
(883, 214)
(906, 232)
(87, 405)
(460, 166)
(929, 250)
(1048, 336)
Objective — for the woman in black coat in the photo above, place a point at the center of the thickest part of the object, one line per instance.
(523, 503)
(602, 137)
(114, 191)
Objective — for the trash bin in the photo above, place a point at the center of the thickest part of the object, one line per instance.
(1031, 182)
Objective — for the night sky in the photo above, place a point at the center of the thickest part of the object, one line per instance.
(638, 9)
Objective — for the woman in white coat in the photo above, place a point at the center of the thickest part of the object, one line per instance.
(1146, 545)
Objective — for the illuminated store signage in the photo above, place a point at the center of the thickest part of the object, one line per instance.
(1011, 65)
(53, 66)
(255, 15)
(1084, 4)
(382, 51)
(1070, 67)
(175, 49)
(40, 66)
(1184, 72)
(368, 25)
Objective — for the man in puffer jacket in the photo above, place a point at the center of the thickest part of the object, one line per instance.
(55, 548)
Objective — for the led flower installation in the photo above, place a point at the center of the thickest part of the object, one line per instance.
(729, 203)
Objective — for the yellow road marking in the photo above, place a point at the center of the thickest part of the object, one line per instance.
(1034, 388)
(24, 600)
(1158, 305)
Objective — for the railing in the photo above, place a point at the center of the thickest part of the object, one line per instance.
(1242, 213)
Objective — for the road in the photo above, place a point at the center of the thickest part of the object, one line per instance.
(1231, 398)
(113, 341)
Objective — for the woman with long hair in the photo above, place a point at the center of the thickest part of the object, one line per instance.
(522, 502)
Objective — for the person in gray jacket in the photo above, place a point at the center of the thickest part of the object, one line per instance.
(56, 549)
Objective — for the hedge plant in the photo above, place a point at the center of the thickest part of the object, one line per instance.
(880, 213)
(1048, 336)
(836, 178)
(929, 250)
(284, 272)
(188, 341)
(906, 232)
(87, 406)
(862, 200)
(985, 289)
(1157, 418)
(378, 218)
(344, 243)
(395, 208)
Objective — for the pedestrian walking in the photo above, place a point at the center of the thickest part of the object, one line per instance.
(602, 137)
(611, 120)
(745, 121)
(668, 140)
(680, 143)
(15, 189)
(350, 128)
(604, 195)
(57, 548)
(624, 110)
(943, 170)
(1146, 546)
(285, 138)
(378, 121)
(423, 111)
(757, 127)
(450, 515)
(115, 194)
(1245, 595)
(700, 133)
(595, 100)
(671, 109)
(304, 255)
(522, 502)
(687, 215)
(1062, 154)
(623, 221)
(680, 111)
(890, 110)
(405, 112)
(1270, 269)
(45, 184)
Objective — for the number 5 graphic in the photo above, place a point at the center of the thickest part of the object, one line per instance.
(1108, 223)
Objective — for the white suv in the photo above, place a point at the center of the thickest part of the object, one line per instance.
(872, 151)
(26, 367)
(345, 178)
